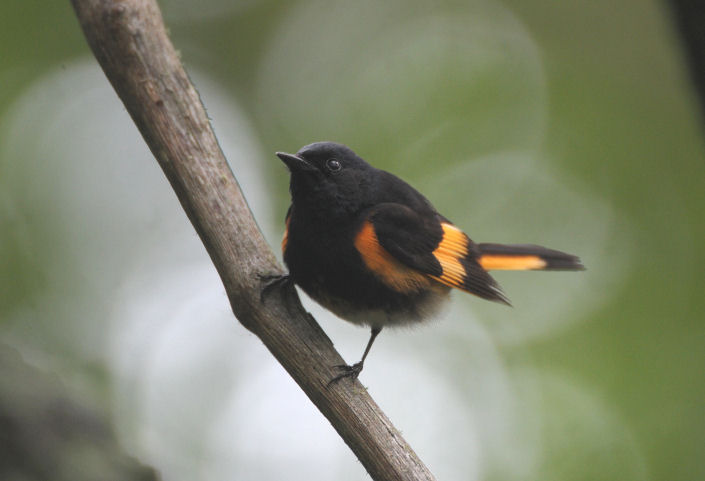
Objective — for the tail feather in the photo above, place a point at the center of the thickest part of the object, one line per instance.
(525, 257)
(479, 282)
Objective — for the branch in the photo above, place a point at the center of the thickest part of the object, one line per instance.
(129, 40)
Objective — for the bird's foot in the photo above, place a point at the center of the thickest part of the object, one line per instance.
(283, 283)
(347, 371)
(273, 281)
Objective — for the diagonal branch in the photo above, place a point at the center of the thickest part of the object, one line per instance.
(129, 40)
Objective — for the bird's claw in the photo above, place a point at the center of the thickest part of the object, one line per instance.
(272, 281)
(347, 371)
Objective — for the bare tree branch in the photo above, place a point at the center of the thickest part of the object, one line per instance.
(129, 40)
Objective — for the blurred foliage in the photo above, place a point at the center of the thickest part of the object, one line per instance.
(567, 124)
(48, 433)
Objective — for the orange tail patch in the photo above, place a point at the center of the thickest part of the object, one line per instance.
(511, 263)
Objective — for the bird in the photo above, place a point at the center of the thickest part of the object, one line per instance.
(373, 250)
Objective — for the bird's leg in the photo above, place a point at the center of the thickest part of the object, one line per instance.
(354, 370)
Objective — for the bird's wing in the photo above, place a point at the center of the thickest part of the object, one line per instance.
(408, 250)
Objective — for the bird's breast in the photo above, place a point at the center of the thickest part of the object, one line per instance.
(325, 262)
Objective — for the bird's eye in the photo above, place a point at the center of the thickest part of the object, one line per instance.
(333, 165)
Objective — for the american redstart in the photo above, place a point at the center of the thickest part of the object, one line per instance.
(371, 249)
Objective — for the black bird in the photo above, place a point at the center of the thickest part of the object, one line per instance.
(371, 249)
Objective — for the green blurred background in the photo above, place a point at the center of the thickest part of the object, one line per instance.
(568, 124)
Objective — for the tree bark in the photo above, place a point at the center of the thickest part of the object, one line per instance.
(129, 40)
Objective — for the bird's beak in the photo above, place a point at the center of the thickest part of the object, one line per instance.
(294, 162)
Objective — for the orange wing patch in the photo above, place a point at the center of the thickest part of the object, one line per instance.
(452, 248)
(388, 269)
(285, 238)
(511, 263)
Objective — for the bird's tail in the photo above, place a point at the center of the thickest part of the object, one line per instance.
(519, 257)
